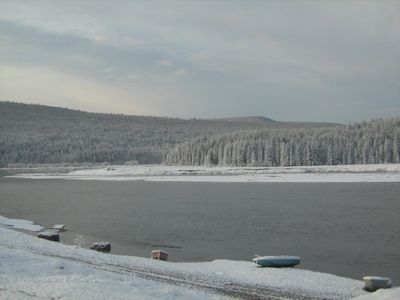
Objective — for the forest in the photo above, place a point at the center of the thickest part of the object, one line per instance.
(38, 134)
(375, 141)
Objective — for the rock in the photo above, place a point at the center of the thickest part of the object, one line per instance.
(48, 235)
(101, 246)
(373, 283)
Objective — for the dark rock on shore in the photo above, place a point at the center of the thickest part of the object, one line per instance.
(48, 235)
(101, 246)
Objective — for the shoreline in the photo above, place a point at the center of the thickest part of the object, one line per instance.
(220, 277)
(337, 173)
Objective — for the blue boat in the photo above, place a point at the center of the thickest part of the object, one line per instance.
(277, 261)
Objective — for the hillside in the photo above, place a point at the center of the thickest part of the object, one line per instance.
(43, 134)
(376, 141)
(259, 120)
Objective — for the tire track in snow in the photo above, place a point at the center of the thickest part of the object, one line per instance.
(209, 282)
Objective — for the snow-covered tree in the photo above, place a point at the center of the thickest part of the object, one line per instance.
(376, 141)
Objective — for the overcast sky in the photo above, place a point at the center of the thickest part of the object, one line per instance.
(288, 60)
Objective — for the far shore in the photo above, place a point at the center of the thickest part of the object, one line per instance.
(334, 173)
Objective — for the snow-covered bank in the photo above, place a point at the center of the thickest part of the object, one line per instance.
(35, 267)
(26, 275)
(346, 173)
(20, 224)
(382, 294)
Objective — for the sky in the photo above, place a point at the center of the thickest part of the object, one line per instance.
(336, 61)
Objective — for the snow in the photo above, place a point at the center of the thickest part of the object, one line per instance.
(382, 294)
(342, 173)
(30, 266)
(20, 224)
(26, 275)
(60, 227)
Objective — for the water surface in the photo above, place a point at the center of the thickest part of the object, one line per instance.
(349, 229)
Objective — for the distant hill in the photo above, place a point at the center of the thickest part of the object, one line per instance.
(270, 123)
(31, 133)
(253, 120)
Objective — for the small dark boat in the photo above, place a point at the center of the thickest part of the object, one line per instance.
(279, 261)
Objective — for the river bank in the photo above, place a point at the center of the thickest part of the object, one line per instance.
(336, 173)
(34, 267)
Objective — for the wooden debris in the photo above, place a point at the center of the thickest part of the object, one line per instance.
(159, 254)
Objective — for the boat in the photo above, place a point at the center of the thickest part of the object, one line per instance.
(279, 261)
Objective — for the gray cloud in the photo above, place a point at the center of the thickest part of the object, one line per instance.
(292, 60)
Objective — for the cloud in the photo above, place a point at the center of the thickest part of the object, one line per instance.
(235, 57)
(165, 63)
(41, 85)
(99, 38)
(181, 72)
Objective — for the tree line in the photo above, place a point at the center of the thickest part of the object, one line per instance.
(38, 134)
(375, 141)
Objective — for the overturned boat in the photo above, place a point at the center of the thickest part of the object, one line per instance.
(280, 261)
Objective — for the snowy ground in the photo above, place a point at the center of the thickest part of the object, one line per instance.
(19, 224)
(346, 173)
(34, 268)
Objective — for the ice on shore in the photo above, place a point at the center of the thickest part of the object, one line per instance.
(31, 266)
(20, 224)
(341, 173)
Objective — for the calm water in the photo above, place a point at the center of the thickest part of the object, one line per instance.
(350, 229)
